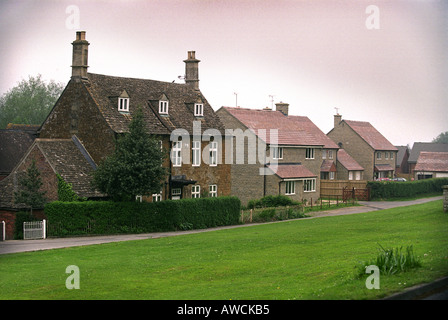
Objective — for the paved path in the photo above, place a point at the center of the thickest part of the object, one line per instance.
(14, 246)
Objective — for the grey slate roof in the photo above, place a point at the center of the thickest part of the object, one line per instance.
(13, 145)
(426, 146)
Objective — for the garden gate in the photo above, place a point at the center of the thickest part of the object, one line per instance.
(34, 230)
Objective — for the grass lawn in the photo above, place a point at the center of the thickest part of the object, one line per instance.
(300, 259)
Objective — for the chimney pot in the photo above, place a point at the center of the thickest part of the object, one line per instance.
(282, 107)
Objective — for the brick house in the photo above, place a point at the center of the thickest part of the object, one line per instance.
(98, 108)
(273, 153)
(367, 146)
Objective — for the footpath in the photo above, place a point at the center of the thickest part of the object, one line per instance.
(437, 290)
(14, 246)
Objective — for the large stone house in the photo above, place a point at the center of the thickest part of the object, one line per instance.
(367, 146)
(274, 153)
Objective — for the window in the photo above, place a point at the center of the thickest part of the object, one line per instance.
(378, 155)
(163, 107)
(196, 154)
(156, 197)
(213, 161)
(176, 156)
(386, 155)
(176, 193)
(350, 175)
(331, 175)
(290, 187)
(139, 198)
(213, 190)
(123, 104)
(324, 154)
(309, 185)
(309, 153)
(330, 154)
(277, 153)
(391, 156)
(198, 109)
(196, 191)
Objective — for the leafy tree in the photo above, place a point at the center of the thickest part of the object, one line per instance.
(441, 138)
(29, 102)
(29, 192)
(135, 168)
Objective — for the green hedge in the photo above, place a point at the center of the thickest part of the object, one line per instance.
(271, 201)
(394, 189)
(107, 217)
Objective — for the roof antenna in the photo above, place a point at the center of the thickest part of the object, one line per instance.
(272, 101)
(337, 110)
(236, 99)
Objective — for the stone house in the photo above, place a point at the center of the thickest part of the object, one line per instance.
(402, 159)
(348, 168)
(98, 108)
(419, 147)
(274, 153)
(367, 146)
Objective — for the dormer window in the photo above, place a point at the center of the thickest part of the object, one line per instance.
(198, 109)
(123, 104)
(163, 107)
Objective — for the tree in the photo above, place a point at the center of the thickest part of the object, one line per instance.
(135, 168)
(441, 138)
(29, 102)
(29, 192)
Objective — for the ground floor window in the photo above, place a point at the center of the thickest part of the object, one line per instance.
(290, 187)
(213, 190)
(309, 185)
(157, 197)
(196, 191)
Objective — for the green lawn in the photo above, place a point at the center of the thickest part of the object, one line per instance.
(300, 259)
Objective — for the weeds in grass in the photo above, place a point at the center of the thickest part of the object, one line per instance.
(390, 261)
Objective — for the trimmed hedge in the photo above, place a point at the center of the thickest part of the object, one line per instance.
(107, 217)
(393, 189)
(271, 201)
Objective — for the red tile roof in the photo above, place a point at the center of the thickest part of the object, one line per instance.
(309, 126)
(289, 130)
(370, 135)
(290, 171)
(348, 162)
(432, 161)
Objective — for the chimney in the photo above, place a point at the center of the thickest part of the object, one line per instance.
(80, 53)
(337, 119)
(282, 107)
(192, 71)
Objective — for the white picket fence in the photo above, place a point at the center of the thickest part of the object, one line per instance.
(34, 230)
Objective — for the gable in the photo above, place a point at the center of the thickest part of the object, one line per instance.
(370, 135)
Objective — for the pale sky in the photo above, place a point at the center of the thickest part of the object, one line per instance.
(314, 55)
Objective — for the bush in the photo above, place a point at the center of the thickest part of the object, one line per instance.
(271, 201)
(21, 217)
(107, 217)
(392, 189)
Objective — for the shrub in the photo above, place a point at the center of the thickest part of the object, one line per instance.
(21, 217)
(391, 261)
(271, 201)
(392, 189)
(107, 217)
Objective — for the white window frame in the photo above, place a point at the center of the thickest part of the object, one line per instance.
(199, 109)
(330, 154)
(176, 154)
(196, 191)
(156, 197)
(213, 154)
(378, 155)
(309, 153)
(331, 175)
(213, 190)
(391, 155)
(386, 155)
(309, 185)
(163, 107)
(277, 153)
(123, 104)
(290, 187)
(324, 154)
(196, 153)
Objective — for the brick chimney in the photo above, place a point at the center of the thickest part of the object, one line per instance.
(282, 107)
(80, 54)
(192, 70)
(337, 119)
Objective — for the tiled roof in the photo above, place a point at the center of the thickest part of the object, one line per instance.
(328, 166)
(290, 171)
(432, 161)
(13, 145)
(383, 167)
(144, 93)
(348, 162)
(311, 128)
(370, 135)
(289, 131)
(426, 146)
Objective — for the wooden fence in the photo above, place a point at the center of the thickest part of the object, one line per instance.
(334, 188)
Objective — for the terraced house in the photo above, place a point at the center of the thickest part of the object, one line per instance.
(274, 153)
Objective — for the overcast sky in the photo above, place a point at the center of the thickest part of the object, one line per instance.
(387, 65)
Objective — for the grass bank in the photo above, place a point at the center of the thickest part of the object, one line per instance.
(300, 259)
